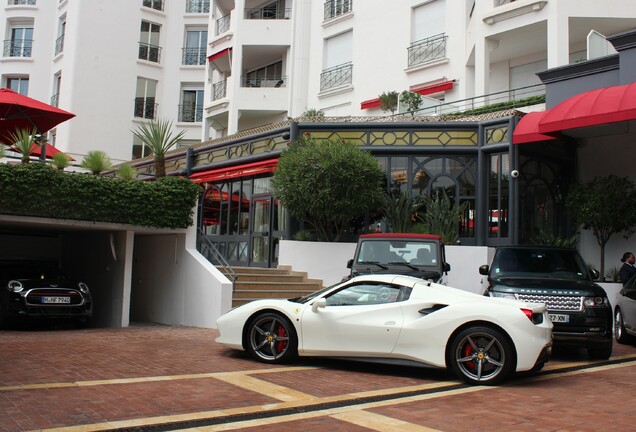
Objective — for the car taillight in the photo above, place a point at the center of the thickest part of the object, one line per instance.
(535, 318)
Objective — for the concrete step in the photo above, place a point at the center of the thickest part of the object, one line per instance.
(259, 277)
(276, 285)
(278, 294)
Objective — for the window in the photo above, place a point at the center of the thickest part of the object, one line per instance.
(21, 42)
(334, 8)
(368, 294)
(197, 6)
(195, 47)
(56, 90)
(498, 192)
(428, 33)
(59, 42)
(153, 4)
(19, 85)
(274, 10)
(149, 41)
(191, 108)
(337, 60)
(268, 76)
(139, 150)
(22, 2)
(145, 106)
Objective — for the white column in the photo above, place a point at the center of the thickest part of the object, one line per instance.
(483, 48)
(558, 39)
(298, 61)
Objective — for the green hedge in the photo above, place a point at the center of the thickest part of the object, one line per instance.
(36, 189)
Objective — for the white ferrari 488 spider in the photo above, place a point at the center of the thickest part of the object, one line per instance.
(396, 319)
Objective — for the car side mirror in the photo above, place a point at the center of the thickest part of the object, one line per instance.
(350, 263)
(595, 274)
(484, 270)
(320, 303)
(446, 267)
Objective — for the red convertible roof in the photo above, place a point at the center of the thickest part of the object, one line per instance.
(402, 235)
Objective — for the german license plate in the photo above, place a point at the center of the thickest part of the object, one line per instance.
(559, 318)
(56, 300)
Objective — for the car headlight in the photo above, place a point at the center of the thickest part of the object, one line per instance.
(503, 295)
(591, 302)
(83, 287)
(15, 286)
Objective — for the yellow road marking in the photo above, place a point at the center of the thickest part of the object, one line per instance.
(379, 422)
(266, 388)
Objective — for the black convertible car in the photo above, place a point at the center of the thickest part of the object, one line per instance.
(38, 289)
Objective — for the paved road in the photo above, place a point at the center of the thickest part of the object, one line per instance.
(158, 378)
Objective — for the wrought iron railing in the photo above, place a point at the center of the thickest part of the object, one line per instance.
(219, 90)
(279, 81)
(427, 50)
(507, 99)
(334, 8)
(193, 56)
(502, 2)
(189, 113)
(55, 99)
(21, 2)
(17, 48)
(146, 108)
(212, 254)
(197, 6)
(149, 52)
(223, 24)
(153, 4)
(336, 76)
(59, 44)
(265, 13)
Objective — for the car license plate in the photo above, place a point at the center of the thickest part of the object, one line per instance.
(56, 300)
(559, 318)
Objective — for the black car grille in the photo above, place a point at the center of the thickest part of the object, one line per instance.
(555, 302)
(36, 297)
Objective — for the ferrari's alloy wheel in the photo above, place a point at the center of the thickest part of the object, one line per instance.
(619, 328)
(272, 338)
(481, 355)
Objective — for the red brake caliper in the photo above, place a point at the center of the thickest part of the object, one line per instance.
(467, 352)
(282, 333)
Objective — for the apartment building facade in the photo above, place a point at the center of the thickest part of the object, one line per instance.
(113, 63)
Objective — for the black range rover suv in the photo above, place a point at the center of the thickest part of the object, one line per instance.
(558, 277)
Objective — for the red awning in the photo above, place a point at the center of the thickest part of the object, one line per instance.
(527, 130)
(371, 103)
(592, 108)
(222, 60)
(433, 88)
(219, 54)
(244, 170)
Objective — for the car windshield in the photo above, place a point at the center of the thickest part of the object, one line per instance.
(415, 253)
(313, 295)
(538, 263)
(29, 270)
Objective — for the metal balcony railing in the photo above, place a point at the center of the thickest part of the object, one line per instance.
(265, 13)
(492, 102)
(197, 6)
(59, 45)
(427, 50)
(145, 108)
(193, 56)
(153, 4)
(55, 99)
(502, 2)
(336, 76)
(17, 48)
(149, 52)
(21, 2)
(219, 90)
(223, 24)
(275, 82)
(334, 8)
(189, 113)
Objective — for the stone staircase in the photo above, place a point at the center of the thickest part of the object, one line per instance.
(253, 283)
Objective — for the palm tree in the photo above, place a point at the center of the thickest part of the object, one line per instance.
(23, 142)
(157, 135)
(96, 161)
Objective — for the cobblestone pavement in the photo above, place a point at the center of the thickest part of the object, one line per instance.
(159, 378)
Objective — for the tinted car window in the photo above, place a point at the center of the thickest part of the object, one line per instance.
(540, 263)
(365, 294)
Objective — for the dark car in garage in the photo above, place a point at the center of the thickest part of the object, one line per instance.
(31, 290)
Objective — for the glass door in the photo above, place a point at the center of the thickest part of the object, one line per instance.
(261, 230)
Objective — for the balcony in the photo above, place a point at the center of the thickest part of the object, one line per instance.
(193, 56)
(59, 45)
(274, 82)
(190, 113)
(427, 50)
(219, 90)
(197, 6)
(334, 8)
(17, 48)
(336, 76)
(267, 13)
(149, 52)
(55, 99)
(222, 24)
(21, 2)
(153, 4)
(145, 108)
(502, 2)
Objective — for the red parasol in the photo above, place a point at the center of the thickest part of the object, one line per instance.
(22, 112)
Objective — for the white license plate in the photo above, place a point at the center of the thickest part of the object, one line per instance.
(56, 300)
(559, 318)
